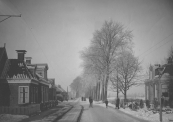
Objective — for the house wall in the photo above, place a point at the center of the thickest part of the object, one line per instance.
(14, 88)
(33, 93)
(151, 93)
(52, 94)
(43, 93)
(45, 74)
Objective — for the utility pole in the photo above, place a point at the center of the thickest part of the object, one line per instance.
(8, 16)
(160, 89)
(67, 93)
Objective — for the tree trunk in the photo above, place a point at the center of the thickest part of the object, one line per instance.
(106, 86)
(96, 91)
(125, 97)
(103, 91)
(99, 92)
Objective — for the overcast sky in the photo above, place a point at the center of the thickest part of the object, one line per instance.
(55, 31)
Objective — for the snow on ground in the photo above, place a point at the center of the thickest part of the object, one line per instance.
(141, 113)
(11, 118)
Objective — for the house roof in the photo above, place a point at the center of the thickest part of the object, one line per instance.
(1, 51)
(168, 69)
(16, 69)
(59, 88)
(52, 82)
(41, 79)
(3, 58)
(41, 65)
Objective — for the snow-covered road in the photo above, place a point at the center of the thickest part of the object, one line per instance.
(102, 114)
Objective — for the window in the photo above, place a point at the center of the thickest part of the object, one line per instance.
(155, 88)
(42, 94)
(165, 90)
(31, 95)
(23, 94)
(36, 99)
(147, 92)
(164, 86)
(46, 94)
(34, 95)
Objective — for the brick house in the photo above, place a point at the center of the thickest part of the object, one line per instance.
(20, 82)
(40, 71)
(23, 83)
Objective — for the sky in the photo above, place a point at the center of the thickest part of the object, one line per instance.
(55, 31)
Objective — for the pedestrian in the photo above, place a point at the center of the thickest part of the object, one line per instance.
(141, 103)
(117, 103)
(106, 102)
(90, 101)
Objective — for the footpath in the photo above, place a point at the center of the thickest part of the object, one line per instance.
(66, 113)
(73, 115)
(49, 115)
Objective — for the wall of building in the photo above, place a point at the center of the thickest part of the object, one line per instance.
(14, 89)
(33, 93)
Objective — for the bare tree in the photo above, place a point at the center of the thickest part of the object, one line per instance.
(76, 85)
(127, 71)
(93, 67)
(106, 44)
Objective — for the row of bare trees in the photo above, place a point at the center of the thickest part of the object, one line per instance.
(109, 60)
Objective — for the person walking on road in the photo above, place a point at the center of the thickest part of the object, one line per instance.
(117, 103)
(91, 101)
(106, 102)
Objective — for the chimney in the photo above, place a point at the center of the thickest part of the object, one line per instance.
(21, 54)
(28, 60)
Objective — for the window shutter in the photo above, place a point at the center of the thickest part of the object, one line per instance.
(18, 95)
(26, 94)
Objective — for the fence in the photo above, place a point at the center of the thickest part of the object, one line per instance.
(27, 110)
(47, 105)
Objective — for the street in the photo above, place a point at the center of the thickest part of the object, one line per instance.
(102, 114)
(97, 114)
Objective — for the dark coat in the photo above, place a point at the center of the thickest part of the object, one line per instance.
(118, 102)
(90, 100)
(106, 102)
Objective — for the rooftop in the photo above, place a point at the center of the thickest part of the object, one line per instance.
(16, 69)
